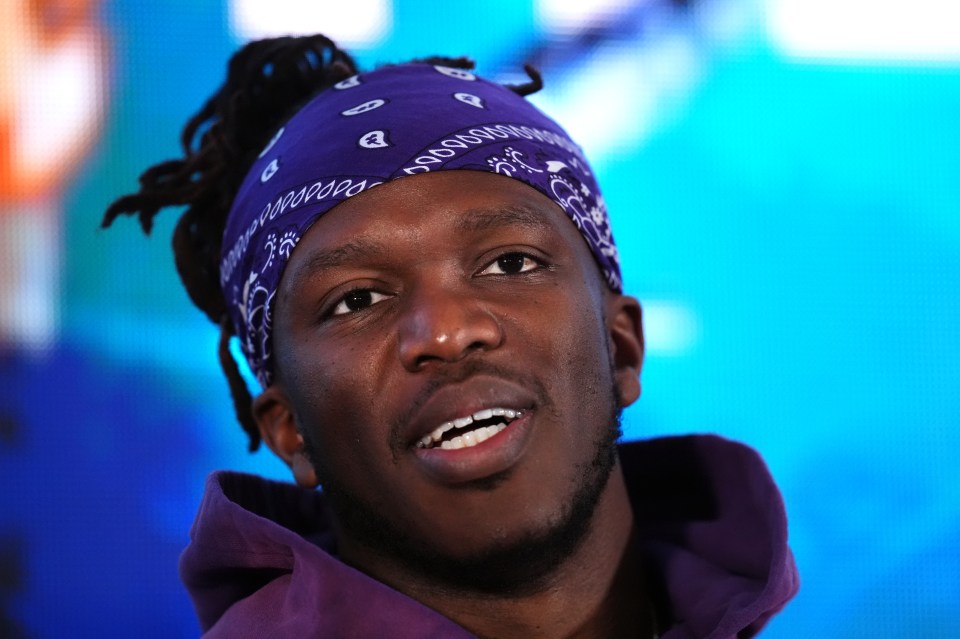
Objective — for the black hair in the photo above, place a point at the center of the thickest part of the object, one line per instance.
(267, 82)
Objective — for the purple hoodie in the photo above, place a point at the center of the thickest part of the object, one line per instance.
(711, 518)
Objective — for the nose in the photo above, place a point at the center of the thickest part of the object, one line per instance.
(438, 324)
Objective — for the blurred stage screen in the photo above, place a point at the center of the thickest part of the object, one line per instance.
(784, 181)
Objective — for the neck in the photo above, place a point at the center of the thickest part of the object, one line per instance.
(597, 592)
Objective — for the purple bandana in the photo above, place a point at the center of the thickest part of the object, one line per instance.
(380, 126)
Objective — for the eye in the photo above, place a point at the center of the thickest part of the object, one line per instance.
(511, 264)
(357, 300)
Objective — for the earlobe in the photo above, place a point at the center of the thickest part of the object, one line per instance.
(278, 429)
(303, 471)
(625, 325)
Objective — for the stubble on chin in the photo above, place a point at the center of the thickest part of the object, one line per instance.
(506, 568)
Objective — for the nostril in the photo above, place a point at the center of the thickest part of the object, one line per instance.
(478, 345)
(423, 360)
(440, 355)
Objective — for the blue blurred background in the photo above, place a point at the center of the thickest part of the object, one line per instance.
(784, 177)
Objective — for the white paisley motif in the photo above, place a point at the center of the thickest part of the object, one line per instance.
(270, 170)
(245, 295)
(517, 157)
(367, 106)
(511, 162)
(270, 246)
(501, 166)
(374, 140)
(349, 83)
(590, 220)
(460, 74)
(597, 215)
(259, 325)
(567, 196)
(469, 98)
(287, 242)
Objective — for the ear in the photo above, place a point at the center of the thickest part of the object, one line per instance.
(273, 413)
(625, 326)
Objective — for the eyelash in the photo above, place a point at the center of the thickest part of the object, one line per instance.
(360, 289)
(537, 263)
(377, 297)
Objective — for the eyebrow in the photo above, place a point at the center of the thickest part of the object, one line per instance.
(474, 220)
(353, 251)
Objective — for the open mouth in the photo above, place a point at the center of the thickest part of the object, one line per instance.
(470, 430)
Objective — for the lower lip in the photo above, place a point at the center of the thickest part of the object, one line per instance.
(489, 457)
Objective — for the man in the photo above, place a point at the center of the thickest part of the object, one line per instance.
(420, 270)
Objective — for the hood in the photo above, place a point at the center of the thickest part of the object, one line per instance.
(261, 564)
(261, 560)
(715, 533)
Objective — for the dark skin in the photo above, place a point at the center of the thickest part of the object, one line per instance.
(434, 297)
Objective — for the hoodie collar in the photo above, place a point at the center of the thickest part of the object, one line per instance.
(710, 517)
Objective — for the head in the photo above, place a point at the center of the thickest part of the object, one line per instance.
(441, 338)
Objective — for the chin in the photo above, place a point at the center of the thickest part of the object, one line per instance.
(511, 564)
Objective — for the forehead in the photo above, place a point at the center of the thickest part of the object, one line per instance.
(452, 204)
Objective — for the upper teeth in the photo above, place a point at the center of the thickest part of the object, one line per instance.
(474, 437)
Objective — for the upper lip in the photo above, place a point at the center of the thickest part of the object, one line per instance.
(461, 399)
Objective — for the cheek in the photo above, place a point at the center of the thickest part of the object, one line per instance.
(323, 371)
(577, 326)
(332, 398)
(566, 344)
(588, 356)
(336, 423)
(334, 394)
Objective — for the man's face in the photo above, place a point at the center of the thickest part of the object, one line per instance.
(443, 345)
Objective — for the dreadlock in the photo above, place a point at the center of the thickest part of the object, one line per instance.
(267, 82)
